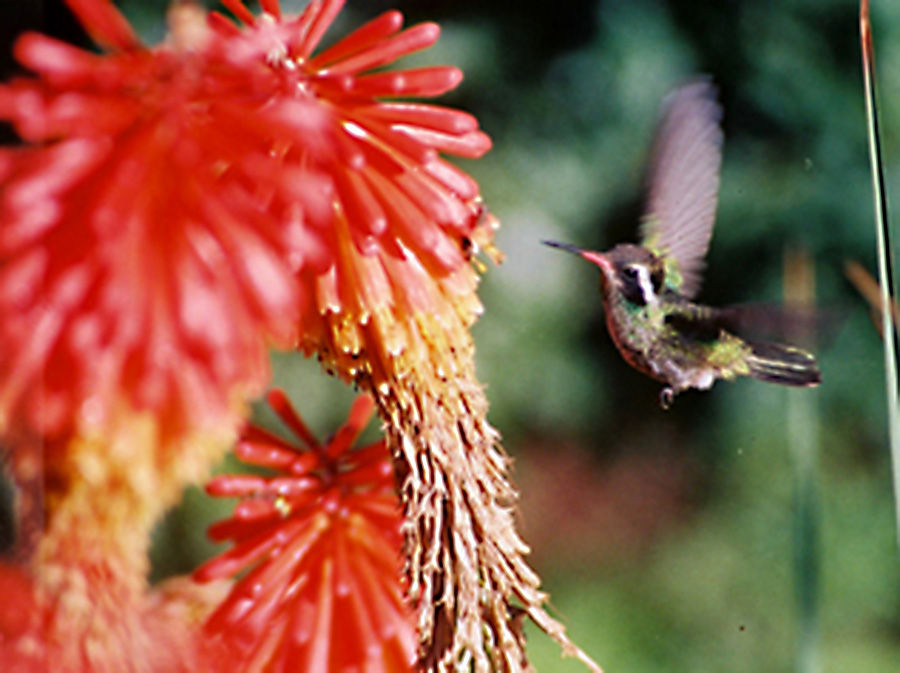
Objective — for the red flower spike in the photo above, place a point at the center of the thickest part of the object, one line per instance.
(322, 542)
(385, 158)
(142, 260)
(211, 155)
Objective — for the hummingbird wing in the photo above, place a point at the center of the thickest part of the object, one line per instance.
(695, 322)
(683, 183)
(756, 323)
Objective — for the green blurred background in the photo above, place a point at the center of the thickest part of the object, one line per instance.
(749, 528)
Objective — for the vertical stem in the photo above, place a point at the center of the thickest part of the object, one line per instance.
(885, 252)
(803, 438)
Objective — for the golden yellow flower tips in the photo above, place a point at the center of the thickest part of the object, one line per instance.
(403, 333)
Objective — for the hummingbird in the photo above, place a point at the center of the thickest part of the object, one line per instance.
(648, 289)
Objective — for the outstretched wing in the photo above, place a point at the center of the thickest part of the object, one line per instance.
(683, 183)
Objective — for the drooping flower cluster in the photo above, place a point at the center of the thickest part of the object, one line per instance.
(322, 539)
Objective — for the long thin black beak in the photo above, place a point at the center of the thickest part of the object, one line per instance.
(597, 258)
(565, 246)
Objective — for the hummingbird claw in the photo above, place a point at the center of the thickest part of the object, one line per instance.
(666, 397)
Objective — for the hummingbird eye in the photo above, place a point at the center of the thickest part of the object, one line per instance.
(631, 271)
(657, 278)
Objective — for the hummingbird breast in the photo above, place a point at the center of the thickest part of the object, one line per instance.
(631, 330)
(646, 340)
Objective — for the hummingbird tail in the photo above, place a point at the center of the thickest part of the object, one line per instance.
(786, 365)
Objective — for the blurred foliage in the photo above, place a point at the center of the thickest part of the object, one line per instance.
(666, 539)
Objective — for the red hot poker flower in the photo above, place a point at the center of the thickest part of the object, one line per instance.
(153, 230)
(322, 542)
(143, 264)
(400, 211)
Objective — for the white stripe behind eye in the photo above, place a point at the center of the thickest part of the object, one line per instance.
(646, 284)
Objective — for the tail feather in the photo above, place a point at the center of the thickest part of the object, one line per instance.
(786, 365)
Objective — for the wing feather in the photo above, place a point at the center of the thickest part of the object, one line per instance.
(683, 181)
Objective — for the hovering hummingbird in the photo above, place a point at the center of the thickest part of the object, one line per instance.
(648, 289)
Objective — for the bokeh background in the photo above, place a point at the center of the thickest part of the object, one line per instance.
(749, 528)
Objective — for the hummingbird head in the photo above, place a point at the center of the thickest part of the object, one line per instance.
(631, 271)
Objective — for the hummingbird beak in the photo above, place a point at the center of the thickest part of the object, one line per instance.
(593, 257)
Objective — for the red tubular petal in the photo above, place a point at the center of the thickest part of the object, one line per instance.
(356, 422)
(409, 275)
(63, 63)
(234, 485)
(103, 22)
(291, 487)
(378, 600)
(268, 283)
(360, 413)
(363, 618)
(366, 243)
(239, 9)
(271, 7)
(453, 178)
(363, 37)
(232, 529)
(322, 16)
(256, 511)
(255, 624)
(311, 647)
(412, 39)
(379, 541)
(380, 509)
(85, 114)
(219, 568)
(238, 614)
(352, 156)
(381, 161)
(360, 205)
(373, 475)
(281, 405)
(328, 295)
(414, 228)
(342, 579)
(265, 454)
(424, 82)
(383, 84)
(363, 281)
(262, 448)
(471, 145)
(306, 463)
(298, 544)
(373, 453)
(317, 256)
(223, 25)
(21, 280)
(440, 204)
(237, 558)
(386, 140)
(435, 117)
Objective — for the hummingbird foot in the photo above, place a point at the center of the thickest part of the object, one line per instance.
(666, 397)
